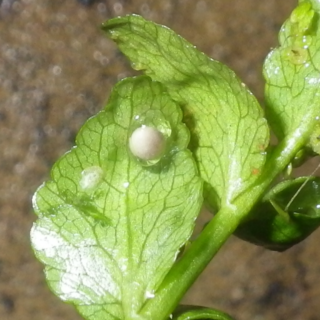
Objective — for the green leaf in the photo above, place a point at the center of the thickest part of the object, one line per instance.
(110, 225)
(314, 140)
(288, 214)
(229, 133)
(185, 312)
(292, 74)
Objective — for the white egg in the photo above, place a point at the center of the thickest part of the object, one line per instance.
(147, 143)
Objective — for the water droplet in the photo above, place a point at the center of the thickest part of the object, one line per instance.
(126, 184)
(91, 177)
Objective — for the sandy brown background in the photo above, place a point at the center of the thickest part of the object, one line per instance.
(57, 69)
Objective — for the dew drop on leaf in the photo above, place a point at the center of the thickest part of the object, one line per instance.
(91, 177)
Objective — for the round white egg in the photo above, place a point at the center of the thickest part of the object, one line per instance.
(147, 143)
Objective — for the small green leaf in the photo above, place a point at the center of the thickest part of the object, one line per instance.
(185, 312)
(292, 74)
(229, 133)
(110, 224)
(288, 214)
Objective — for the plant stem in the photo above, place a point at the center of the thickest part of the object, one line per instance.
(186, 270)
(203, 249)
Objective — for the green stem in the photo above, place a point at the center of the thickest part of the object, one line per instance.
(203, 249)
(186, 270)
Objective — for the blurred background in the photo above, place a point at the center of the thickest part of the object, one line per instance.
(57, 69)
